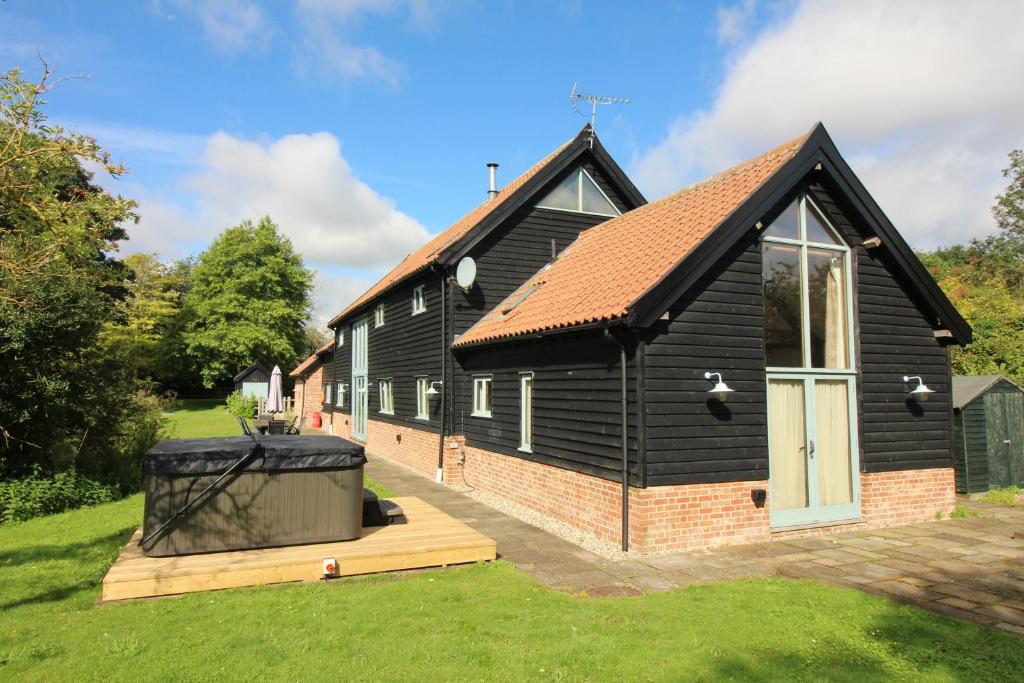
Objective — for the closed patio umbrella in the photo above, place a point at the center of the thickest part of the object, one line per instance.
(275, 398)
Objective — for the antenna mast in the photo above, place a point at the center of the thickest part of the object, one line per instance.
(575, 96)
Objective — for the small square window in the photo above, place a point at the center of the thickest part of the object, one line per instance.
(422, 398)
(378, 316)
(482, 395)
(419, 300)
(387, 397)
(341, 339)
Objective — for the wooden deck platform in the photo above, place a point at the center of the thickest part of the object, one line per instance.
(430, 538)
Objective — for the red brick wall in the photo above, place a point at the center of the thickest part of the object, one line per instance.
(889, 498)
(312, 394)
(584, 501)
(414, 448)
(662, 518)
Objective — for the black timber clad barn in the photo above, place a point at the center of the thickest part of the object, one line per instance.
(531, 369)
(988, 432)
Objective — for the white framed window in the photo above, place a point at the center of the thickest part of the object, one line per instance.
(526, 412)
(387, 396)
(378, 316)
(341, 339)
(482, 385)
(419, 300)
(327, 394)
(422, 398)
(340, 394)
(807, 292)
(580, 194)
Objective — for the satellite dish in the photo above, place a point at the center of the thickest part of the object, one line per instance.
(465, 273)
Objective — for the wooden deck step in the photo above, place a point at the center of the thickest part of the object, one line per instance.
(430, 538)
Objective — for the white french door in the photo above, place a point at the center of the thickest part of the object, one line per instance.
(360, 366)
(812, 446)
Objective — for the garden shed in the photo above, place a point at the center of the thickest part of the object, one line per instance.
(988, 432)
(254, 381)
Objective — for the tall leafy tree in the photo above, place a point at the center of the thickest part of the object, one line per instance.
(985, 279)
(249, 298)
(64, 398)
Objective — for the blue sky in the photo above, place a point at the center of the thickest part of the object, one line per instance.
(363, 126)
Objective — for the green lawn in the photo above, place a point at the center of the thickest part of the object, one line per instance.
(487, 622)
(479, 623)
(198, 417)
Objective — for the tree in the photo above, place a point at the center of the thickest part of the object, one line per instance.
(65, 399)
(985, 279)
(248, 302)
(151, 303)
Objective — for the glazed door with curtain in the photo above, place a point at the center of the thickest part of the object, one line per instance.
(360, 393)
(811, 450)
(812, 445)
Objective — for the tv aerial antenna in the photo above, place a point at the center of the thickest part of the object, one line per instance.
(575, 97)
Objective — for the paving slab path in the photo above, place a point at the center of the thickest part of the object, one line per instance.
(970, 568)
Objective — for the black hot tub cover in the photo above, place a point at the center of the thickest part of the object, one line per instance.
(277, 453)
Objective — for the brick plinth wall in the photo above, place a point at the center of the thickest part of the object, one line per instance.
(587, 502)
(414, 448)
(889, 498)
(673, 518)
(312, 394)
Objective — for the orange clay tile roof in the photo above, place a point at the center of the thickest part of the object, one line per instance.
(306, 364)
(601, 274)
(429, 252)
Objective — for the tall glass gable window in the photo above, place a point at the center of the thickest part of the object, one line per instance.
(806, 292)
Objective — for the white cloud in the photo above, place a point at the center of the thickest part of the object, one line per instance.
(734, 21)
(920, 98)
(305, 185)
(333, 291)
(229, 25)
(328, 50)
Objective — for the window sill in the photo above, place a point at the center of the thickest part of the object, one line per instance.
(415, 313)
(525, 449)
(423, 418)
(385, 412)
(481, 414)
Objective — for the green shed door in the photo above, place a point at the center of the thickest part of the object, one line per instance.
(1004, 414)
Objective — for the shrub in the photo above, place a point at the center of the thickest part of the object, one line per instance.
(241, 406)
(36, 495)
(1003, 496)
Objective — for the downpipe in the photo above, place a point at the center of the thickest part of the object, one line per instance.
(625, 433)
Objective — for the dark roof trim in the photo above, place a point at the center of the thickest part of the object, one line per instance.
(255, 366)
(582, 143)
(818, 148)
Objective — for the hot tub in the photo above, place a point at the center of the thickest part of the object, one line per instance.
(293, 490)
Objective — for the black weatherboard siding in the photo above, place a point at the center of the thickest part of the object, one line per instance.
(577, 416)
(512, 254)
(405, 347)
(717, 326)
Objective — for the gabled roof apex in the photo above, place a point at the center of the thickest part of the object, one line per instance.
(448, 246)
